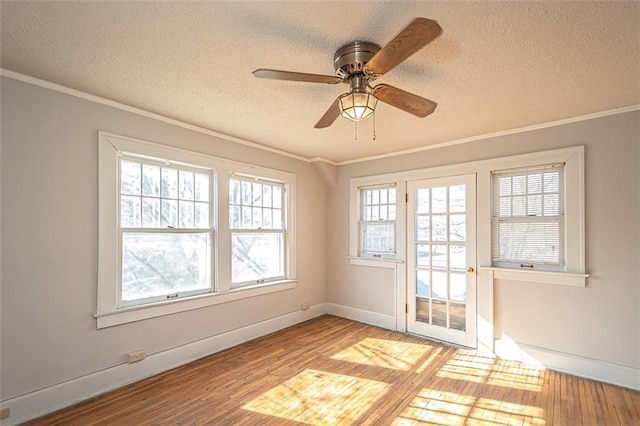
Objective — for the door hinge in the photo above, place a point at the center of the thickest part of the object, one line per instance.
(406, 308)
(406, 197)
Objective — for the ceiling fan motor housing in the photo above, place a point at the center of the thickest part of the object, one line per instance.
(351, 58)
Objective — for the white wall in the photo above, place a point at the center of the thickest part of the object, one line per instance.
(49, 177)
(599, 322)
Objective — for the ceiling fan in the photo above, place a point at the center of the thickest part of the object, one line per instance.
(360, 62)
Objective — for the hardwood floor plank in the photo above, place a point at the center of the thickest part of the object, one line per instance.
(334, 371)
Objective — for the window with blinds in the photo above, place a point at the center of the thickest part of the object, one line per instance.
(528, 220)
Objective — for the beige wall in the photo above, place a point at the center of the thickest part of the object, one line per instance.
(49, 241)
(600, 321)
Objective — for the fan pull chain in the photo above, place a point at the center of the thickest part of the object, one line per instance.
(374, 125)
(356, 131)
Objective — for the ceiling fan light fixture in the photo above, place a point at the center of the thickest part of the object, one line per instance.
(357, 106)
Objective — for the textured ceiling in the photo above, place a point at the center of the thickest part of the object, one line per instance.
(498, 65)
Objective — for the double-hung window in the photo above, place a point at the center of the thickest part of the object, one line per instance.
(257, 223)
(165, 232)
(180, 230)
(378, 221)
(528, 221)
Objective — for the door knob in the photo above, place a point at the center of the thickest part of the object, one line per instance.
(470, 270)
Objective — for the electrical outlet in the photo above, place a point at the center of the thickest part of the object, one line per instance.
(4, 413)
(304, 306)
(136, 356)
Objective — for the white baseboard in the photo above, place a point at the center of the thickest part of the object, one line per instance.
(367, 317)
(571, 364)
(52, 398)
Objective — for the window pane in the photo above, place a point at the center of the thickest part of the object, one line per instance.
(266, 196)
(551, 205)
(130, 211)
(257, 217)
(392, 195)
(150, 212)
(439, 227)
(169, 183)
(246, 193)
(505, 207)
(439, 285)
(439, 313)
(202, 215)
(534, 183)
(422, 309)
(458, 286)
(129, 177)
(439, 200)
(186, 184)
(529, 242)
(256, 257)
(392, 212)
(505, 185)
(457, 257)
(186, 214)
(277, 197)
(234, 217)
(439, 256)
(457, 227)
(534, 205)
(256, 194)
(422, 201)
(422, 283)
(457, 316)
(169, 213)
(164, 264)
(277, 219)
(378, 237)
(457, 198)
(519, 206)
(551, 181)
(150, 180)
(519, 185)
(247, 215)
(234, 191)
(422, 228)
(202, 187)
(383, 196)
(267, 221)
(423, 255)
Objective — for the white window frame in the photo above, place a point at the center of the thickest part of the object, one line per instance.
(110, 147)
(260, 230)
(557, 218)
(355, 213)
(361, 224)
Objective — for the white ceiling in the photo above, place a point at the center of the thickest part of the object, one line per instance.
(498, 65)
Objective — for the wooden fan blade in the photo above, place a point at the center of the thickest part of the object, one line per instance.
(330, 116)
(406, 101)
(296, 76)
(411, 39)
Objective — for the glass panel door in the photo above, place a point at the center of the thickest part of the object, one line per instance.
(441, 259)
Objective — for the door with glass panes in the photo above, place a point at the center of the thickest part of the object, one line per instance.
(441, 259)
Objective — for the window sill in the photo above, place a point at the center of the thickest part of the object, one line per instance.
(539, 277)
(137, 313)
(375, 262)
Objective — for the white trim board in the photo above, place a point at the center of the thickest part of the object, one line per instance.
(571, 364)
(49, 399)
(83, 95)
(360, 315)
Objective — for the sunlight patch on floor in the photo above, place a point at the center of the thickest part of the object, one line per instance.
(384, 353)
(432, 407)
(317, 398)
(463, 366)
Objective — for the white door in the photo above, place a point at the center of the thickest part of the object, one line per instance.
(441, 259)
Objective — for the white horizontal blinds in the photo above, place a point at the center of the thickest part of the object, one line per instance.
(378, 220)
(257, 224)
(165, 231)
(528, 218)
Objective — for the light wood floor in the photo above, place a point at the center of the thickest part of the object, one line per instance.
(334, 371)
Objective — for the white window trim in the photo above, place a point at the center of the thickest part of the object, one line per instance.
(109, 148)
(355, 206)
